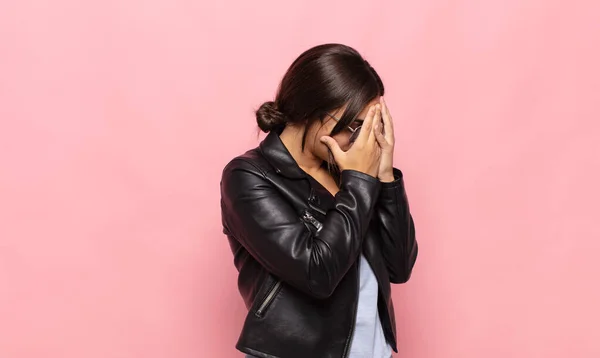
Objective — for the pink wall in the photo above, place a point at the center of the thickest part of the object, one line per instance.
(117, 117)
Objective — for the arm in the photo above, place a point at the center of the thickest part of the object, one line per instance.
(254, 212)
(397, 229)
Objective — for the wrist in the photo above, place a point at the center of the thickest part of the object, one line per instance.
(387, 177)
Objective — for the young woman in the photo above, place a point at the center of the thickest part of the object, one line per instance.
(317, 217)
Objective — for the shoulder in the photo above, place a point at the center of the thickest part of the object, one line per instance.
(246, 171)
(252, 161)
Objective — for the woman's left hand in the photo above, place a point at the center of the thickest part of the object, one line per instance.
(385, 138)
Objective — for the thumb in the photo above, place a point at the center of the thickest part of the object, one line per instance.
(333, 145)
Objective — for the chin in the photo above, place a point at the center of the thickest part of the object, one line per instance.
(327, 158)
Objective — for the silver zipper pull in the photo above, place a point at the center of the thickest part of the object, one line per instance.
(314, 222)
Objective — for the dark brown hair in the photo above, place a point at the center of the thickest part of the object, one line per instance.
(321, 79)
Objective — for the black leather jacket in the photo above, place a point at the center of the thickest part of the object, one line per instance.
(296, 248)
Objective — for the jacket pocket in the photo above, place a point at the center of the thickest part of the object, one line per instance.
(269, 297)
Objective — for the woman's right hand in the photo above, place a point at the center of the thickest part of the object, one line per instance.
(365, 152)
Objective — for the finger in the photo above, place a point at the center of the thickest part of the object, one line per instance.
(380, 136)
(366, 126)
(387, 121)
(333, 145)
(376, 124)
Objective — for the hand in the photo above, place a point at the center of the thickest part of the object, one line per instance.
(385, 139)
(364, 154)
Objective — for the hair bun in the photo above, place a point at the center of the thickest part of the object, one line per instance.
(269, 117)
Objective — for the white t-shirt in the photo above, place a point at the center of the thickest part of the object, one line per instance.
(368, 340)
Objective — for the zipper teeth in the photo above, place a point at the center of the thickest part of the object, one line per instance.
(351, 334)
(315, 208)
(268, 299)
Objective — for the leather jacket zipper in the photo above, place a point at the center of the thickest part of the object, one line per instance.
(351, 334)
(268, 299)
(317, 209)
(311, 220)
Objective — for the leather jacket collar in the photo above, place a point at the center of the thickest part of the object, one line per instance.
(279, 157)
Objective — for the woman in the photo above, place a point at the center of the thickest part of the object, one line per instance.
(316, 216)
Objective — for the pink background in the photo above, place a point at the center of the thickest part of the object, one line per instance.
(118, 116)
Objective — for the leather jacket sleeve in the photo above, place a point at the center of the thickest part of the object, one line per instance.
(399, 246)
(313, 261)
